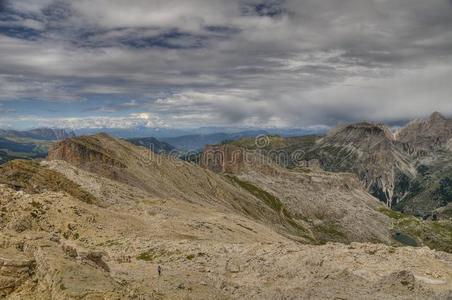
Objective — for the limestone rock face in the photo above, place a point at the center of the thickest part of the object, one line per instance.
(86, 152)
(29, 176)
(15, 269)
(370, 151)
(422, 137)
(223, 159)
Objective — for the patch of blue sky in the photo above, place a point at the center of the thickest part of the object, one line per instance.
(20, 32)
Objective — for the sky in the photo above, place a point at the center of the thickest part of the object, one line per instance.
(195, 63)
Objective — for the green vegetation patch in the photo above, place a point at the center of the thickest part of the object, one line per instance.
(146, 256)
(275, 204)
(411, 231)
(444, 191)
(157, 254)
(434, 234)
(272, 201)
(392, 213)
(328, 232)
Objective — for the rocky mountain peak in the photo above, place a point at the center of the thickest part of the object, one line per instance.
(359, 131)
(436, 116)
(368, 150)
(426, 135)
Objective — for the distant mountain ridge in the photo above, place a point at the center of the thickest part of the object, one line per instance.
(45, 134)
(164, 133)
(410, 170)
(152, 144)
(197, 142)
(29, 144)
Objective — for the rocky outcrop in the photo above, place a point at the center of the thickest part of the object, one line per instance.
(406, 170)
(15, 269)
(370, 151)
(29, 176)
(85, 152)
(223, 159)
(422, 137)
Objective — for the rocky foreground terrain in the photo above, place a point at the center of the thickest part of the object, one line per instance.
(96, 219)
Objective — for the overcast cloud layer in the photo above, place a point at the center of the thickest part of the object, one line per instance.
(190, 63)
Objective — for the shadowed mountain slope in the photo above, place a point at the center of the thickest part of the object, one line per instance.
(370, 151)
(332, 206)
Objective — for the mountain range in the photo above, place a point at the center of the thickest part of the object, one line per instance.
(42, 134)
(402, 169)
(99, 215)
(197, 142)
(164, 132)
(409, 169)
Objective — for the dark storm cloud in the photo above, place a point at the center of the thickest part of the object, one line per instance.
(2, 6)
(205, 62)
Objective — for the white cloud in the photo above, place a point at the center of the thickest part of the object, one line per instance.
(215, 63)
(133, 120)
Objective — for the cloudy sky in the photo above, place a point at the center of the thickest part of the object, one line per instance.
(192, 63)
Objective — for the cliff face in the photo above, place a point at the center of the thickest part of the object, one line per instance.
(87, 153)
(370, 151)
(84, 151)
(223, 159)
